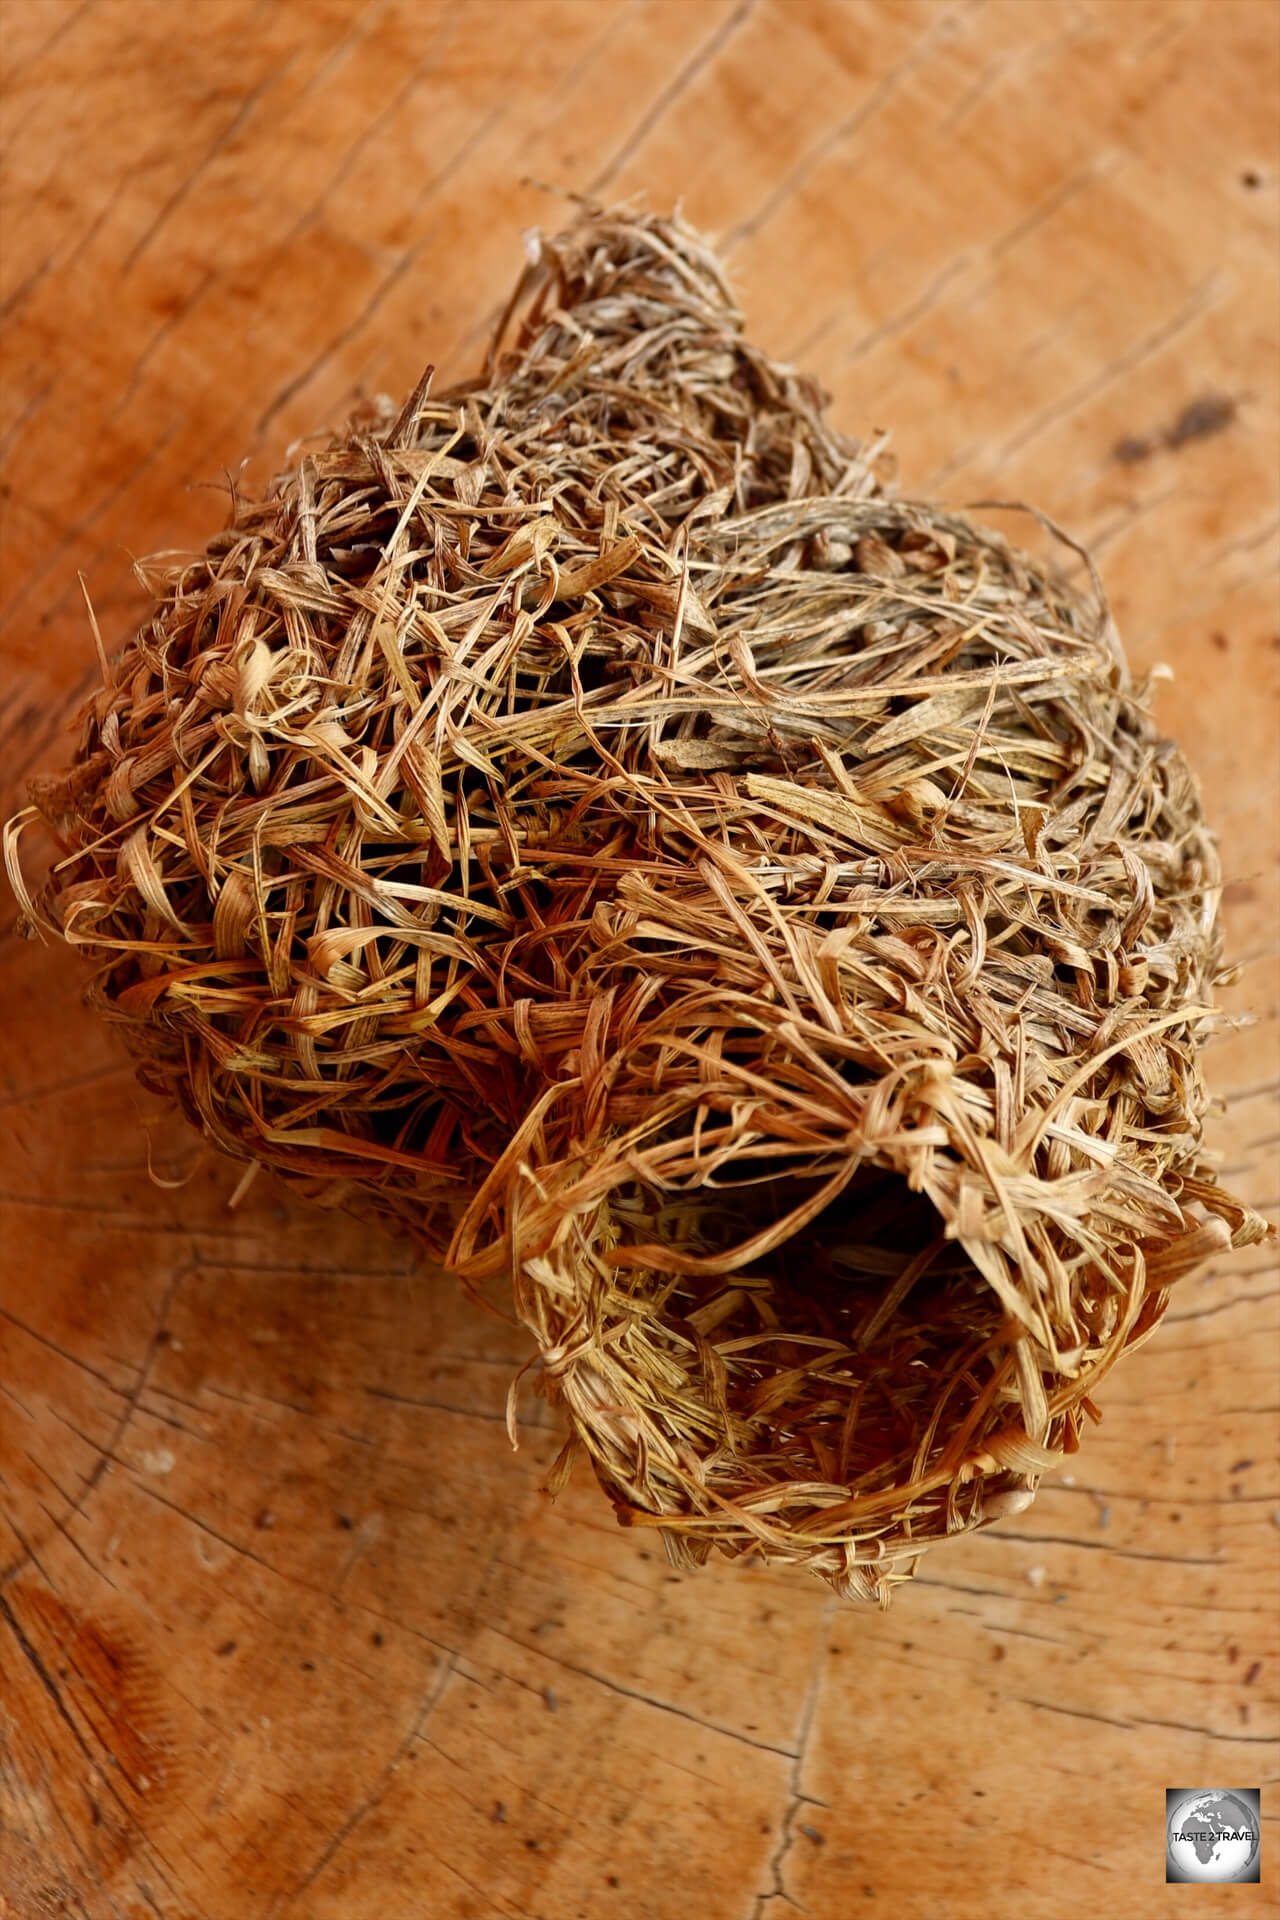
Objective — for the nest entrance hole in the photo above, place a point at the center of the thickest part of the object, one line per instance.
(851, 1351)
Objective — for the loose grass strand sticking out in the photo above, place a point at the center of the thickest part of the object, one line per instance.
(588, 818)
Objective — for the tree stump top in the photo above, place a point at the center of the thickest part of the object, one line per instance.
(286, 1629)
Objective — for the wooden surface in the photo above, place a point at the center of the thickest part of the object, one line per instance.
(285, 1629)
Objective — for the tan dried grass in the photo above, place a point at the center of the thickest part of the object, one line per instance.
(587, 818)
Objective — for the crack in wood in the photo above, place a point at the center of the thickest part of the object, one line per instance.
(371, 1800)
(798, 1797)
(638, 1694)
(386, 285)
(881, 92)
(1104, 1546)
(675, 88)
(243, 113)
(1201, 302)
(130, 1397)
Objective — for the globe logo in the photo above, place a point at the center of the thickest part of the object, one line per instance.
(1213, 1834)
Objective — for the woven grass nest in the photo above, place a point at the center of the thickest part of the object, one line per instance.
(587, 817)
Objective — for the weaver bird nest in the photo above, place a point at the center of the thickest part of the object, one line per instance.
(589, 818)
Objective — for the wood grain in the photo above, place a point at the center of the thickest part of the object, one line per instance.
(285, 1628)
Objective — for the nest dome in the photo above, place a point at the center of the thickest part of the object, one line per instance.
(589, 818)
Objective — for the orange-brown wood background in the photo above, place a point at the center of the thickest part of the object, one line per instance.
(285, 1628)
